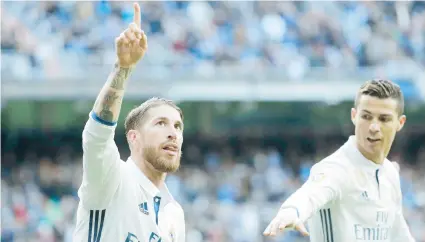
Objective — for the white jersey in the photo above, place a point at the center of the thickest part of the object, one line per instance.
(351, 199)
(118, 203)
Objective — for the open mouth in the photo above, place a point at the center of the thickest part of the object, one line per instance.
(371, 140)
(171, 148)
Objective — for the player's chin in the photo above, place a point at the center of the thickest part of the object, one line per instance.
(169, 168)
(374, 147)
(168, 164)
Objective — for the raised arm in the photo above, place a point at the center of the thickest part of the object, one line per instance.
(130, 46)
(101, 159)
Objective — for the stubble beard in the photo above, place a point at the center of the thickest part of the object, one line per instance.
(160, 162)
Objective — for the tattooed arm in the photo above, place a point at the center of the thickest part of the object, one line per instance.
(131, 46)
(101, 159)
(108, 104)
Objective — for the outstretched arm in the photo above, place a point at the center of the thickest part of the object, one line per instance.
(324, 185)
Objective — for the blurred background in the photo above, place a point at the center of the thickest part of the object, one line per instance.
(266, 88)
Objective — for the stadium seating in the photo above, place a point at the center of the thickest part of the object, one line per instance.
(294, 36)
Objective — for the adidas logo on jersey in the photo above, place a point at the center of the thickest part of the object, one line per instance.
(143, 207)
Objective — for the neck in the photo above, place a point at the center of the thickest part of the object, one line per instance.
(156, 177)
(377, 159)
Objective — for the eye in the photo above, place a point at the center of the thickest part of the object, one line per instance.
(367, 116)
(178, 126)
(385, 119)
(161, 123)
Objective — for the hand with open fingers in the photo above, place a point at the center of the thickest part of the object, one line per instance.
(132, 44)
(285, 219)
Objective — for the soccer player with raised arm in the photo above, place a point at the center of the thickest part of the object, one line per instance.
(354, 194)
(129, 201)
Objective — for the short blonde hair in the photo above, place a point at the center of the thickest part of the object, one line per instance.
(136, 116)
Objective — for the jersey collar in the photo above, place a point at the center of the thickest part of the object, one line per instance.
(356, 156)
(147, 184)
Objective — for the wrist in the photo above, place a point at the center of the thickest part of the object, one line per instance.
(292, 209)
(119, 76)
(118, 65)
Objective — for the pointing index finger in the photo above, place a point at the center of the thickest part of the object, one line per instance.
(136, 18)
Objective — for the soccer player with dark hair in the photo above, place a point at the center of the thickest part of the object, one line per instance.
(129, 201)
(354, 194)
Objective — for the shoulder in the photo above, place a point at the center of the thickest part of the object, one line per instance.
(335, 163)
(178, 209)
(175, 209)
(333, 168)
(392, 170)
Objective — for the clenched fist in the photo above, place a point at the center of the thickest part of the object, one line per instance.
(132, 44)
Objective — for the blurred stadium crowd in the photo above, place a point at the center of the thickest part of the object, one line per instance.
(43, 37)
(228, 194)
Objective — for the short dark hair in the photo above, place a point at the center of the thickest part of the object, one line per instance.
(136, 115)
(382, 89)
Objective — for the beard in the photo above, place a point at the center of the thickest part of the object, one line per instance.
(160, 162)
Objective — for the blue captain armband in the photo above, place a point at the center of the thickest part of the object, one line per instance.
(98, 119)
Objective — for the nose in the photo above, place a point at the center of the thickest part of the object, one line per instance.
(374, 127)
(172, 135)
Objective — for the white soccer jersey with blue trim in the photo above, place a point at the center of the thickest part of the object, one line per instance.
(118, 203)
(351, 199)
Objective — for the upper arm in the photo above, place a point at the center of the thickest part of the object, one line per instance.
(327, 177)
(400, 229)
(101, 164)
(325, 184)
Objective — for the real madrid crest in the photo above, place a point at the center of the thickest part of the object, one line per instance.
(318, 177)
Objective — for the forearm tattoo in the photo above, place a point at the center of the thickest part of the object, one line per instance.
(109, 102)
